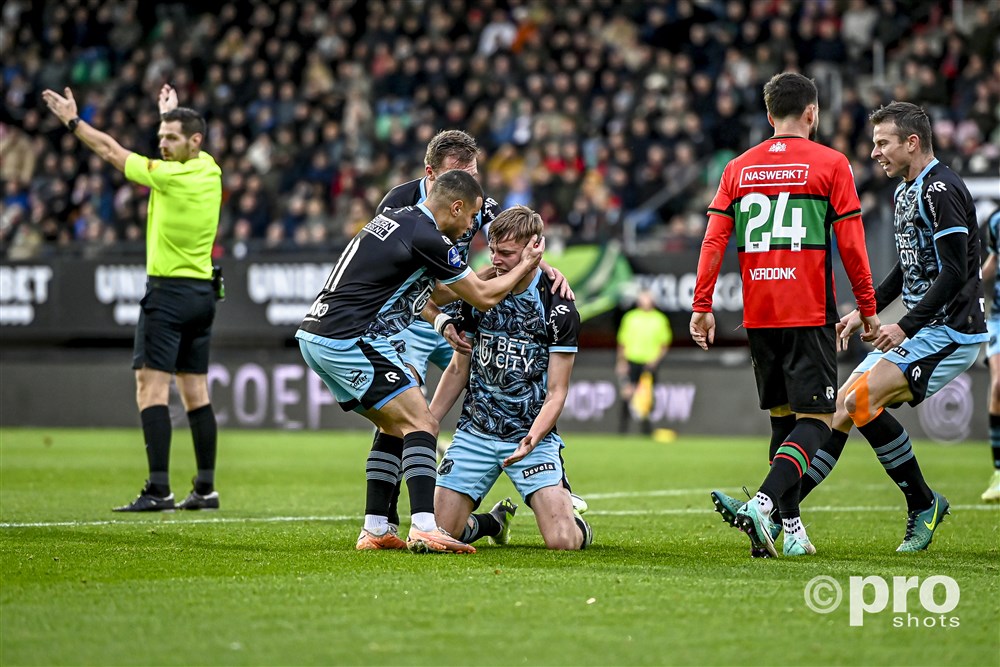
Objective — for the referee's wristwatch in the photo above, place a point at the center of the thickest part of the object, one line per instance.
(72, 124)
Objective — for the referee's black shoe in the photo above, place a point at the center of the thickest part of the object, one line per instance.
(196, 501)
(147, 502)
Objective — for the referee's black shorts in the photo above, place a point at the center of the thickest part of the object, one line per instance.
(175, 325)
(795, 366)
(635, 371)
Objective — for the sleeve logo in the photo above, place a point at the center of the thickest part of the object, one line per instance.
(381, 227)
(454, 257)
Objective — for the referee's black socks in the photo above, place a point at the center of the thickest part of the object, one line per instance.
(204, 432)
(156, 431)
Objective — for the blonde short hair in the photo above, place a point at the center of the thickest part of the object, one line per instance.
(517, 223)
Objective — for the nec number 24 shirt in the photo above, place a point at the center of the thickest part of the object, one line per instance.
(385, 276)
(783, 199)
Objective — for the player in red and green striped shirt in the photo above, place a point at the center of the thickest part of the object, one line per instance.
(784, 199)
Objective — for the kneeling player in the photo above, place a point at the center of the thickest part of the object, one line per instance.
(517, 377)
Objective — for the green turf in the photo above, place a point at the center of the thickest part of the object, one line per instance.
(273, 578)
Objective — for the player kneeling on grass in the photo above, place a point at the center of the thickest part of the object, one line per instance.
(517, 378)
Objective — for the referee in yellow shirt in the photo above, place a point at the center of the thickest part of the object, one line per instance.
(175, 324)
(644, 337)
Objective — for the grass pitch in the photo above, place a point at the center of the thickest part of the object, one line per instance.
(273, 578)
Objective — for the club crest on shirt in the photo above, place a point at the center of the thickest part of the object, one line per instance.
(485, 347)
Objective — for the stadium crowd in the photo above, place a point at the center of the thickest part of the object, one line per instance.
(599, 114)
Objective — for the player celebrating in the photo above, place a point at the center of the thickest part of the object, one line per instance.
(517, 378)
(940, 336)
(381, 281)
(784, 198)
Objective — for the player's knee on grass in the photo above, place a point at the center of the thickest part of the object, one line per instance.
(553, 510)
(452, 510)
(565, 536)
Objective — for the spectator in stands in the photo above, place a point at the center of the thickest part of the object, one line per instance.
(301, 79)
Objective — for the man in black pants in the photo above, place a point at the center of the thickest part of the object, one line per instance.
(175, 324)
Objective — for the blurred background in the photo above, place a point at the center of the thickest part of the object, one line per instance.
(613, 119)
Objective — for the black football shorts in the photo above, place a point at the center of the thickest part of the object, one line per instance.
(795, 366)
(175, 325)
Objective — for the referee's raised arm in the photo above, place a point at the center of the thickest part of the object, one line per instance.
(64, 108)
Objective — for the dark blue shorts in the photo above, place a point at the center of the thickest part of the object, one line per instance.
(175, 325)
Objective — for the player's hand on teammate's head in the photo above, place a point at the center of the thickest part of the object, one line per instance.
(488, 272)
(533, 252)
(63, 106)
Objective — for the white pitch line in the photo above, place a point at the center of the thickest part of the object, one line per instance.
(806, 510)
(695, 492)
(644, 494)
(182, 522)
(344, 517)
